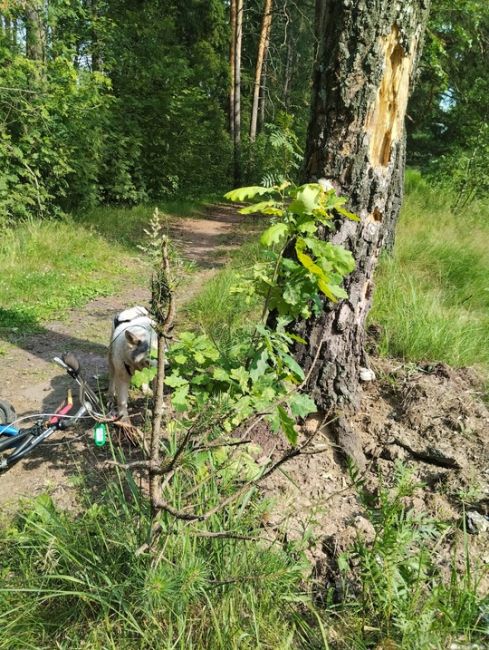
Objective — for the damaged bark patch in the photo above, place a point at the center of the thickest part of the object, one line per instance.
(385, 119)
(376, 216)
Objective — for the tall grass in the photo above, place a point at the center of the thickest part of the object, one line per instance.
(78, 582)
(49, 266)
(126, 225)
(432, 295)
(218, 310)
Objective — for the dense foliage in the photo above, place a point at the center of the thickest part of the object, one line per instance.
(257, 373)
(106, 101)
(116, 102)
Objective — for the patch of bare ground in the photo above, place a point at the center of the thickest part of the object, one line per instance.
(33, 383)
(429, 417)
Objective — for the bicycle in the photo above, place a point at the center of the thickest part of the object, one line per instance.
(16, 443)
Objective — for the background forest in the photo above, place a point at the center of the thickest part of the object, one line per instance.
(115, 102)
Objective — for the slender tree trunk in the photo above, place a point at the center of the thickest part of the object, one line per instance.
(95, 48)
(13, 31)
(237, 92)
(262, 48)
(263, 91)
(34, 31)
(367, 57)
(289, 56)
(7, 29)
(232, 63)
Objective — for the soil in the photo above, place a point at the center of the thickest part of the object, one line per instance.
(430, 417)
(33, 383)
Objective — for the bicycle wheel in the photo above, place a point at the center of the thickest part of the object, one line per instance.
(7, 412)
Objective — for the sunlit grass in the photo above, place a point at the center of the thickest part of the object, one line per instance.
(126, 225)
(218, 309)
(432, 295)
(49, 267)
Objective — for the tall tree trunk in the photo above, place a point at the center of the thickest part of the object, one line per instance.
(263, 90)
(34, 31)
(232, 63)
(95, 49)
(367, 56)
(262, 48)
(7, 29)
(288, 74)
(237, 92)
(13, 31)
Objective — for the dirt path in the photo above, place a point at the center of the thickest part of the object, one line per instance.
(32, 382)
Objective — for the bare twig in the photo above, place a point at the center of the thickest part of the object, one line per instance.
(192, 516)
(217, 445)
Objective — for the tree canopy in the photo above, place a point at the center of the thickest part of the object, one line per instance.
(108, 101)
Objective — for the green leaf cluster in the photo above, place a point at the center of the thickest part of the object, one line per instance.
(316, 269)
(261, 375)
(240, 383)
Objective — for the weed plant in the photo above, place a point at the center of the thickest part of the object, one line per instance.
(395, 594)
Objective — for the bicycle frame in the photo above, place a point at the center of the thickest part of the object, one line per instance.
(24, 441)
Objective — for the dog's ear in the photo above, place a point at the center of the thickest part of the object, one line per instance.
(132, 338)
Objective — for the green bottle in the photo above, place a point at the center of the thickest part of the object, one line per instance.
(99, 434)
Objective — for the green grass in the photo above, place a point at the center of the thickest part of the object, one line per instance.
(218, 310)
(77, 581)
(432, 295)
(51, 266)
(73, 581)
(48, 267)
(126, 225)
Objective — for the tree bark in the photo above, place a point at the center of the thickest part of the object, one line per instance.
(367, 57)
(95, 48)
(237, 92)
(232, 63)
(288, 74)
(34, 31)
(262, 102)
(262, 48)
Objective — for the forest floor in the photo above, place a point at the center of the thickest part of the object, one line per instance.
(429, 417)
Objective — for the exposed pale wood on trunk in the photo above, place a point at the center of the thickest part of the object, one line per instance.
(366, 58)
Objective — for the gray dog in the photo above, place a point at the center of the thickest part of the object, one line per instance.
(132, 340)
